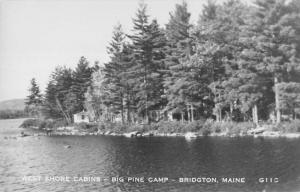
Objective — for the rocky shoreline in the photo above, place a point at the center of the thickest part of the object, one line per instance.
(70, 131)
(263, 131)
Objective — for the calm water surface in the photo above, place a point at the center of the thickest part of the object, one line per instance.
(106, 157)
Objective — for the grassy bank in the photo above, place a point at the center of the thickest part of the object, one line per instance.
(204, 127)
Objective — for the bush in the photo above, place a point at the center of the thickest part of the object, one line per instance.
(43, 124)
(203, 127)
(170, 127)
(231, 128)
(244, 127)
(101, 126)
(288, 127)
(81, 125)
(114, 127)
(118, 127)
(194, 126)
(57, 123)
(205, 131)
(90, 127)
(29, 123)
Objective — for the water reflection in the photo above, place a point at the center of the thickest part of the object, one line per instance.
(108, 157)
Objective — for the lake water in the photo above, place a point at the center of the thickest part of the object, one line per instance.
(30, 163)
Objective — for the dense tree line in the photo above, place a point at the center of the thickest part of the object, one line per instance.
(64, 94)
(239, 62)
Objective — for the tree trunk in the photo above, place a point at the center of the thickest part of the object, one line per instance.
(147, 115)
(188, 112)
(231, 111)
(277, 101)
(128, 113)
(122, 114)
(254, 114)
(192, 112)
(128, 106)
(182, 116)
(122, 109)
(67, 117)
(217, 115)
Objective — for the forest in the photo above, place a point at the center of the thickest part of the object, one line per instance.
(238, 63)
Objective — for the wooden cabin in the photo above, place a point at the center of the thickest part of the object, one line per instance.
(81, 117)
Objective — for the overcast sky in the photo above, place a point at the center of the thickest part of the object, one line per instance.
(38, 35)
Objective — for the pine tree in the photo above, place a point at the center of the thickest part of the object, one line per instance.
(94, 97)
(81, 81)
(34, 99)
(289, 94)
(112, 71)
(147, 49)
(56, 94)
(274, 33)
(178, 51)
(214, 49)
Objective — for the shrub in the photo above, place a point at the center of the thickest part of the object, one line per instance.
(50, 123)
(42, 124)
(170, 127)
(133, 127)
(244, 127)
(29, 123)
(288, 127)
(230, 127)
(90, 127)
(118, 127)
(101, 126)
(215, 127)
(81, 125)
(194, 126)
(58, 123)
(33, 123)
(205, 131)
(110, 126)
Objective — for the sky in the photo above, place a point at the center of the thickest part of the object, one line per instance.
(38, 35)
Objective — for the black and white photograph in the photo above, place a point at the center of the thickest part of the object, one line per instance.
(150, 95)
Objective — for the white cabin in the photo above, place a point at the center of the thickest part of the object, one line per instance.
(81, 117)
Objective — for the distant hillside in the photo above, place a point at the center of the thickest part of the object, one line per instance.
(13, 104)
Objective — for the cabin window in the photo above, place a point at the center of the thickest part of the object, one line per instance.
(82, 117)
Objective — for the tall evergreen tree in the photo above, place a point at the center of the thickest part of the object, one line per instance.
(81, 81)
(113, 70)
(56, 94)
(215, 45)
(274, 33)
(178, 51)
(147, 46)
(94, 97)
(34, 99)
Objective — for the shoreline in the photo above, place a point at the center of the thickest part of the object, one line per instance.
(189, 130)
(187, 135)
